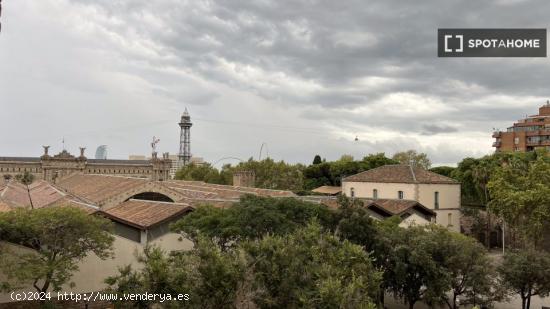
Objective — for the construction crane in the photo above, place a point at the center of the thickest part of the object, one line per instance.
(154, 144)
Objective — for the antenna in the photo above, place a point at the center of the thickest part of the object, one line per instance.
(63, 143)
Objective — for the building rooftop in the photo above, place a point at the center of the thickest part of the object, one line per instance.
(331, 190)
(396, 207)
(146, 214)
(20, 159)
(208, 190)
(389, 207)
(399, 173)
(97, 188)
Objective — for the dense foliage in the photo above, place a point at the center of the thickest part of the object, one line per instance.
(59, 237)
(251, 218)
(284, 176)
(274, 257)
(521, 195)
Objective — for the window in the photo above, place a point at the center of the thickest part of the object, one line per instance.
(436, 200)
(400, 195)
(449, 219)
(516, 140)
(374, 193)
(352, 192)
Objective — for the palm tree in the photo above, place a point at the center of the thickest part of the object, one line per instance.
(481, 175)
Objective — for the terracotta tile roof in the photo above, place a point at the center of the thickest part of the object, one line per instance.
(43, 194)
(327, 190)
(4, 207)
(72, 202)
(145, 214)
(391, 206)
(15, 194)
(400, 174)
(208, 190)
(396, 207)
(96, 188)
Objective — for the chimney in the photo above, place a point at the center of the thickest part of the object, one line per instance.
(244, 179)
(82, 151)
(154, 155)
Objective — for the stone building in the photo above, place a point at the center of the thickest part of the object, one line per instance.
(56, 167)
(404, 186)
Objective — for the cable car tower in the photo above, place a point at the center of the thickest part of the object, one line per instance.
(184, 155)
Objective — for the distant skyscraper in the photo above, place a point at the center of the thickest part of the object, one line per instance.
(101, 152)
(184, 156)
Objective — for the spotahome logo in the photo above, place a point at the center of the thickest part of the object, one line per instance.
(491, 42)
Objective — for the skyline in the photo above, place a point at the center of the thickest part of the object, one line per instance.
(305, 78)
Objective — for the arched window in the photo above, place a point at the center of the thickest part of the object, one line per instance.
(436, 200)
(374, 193)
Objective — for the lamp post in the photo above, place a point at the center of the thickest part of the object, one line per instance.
(503, 246)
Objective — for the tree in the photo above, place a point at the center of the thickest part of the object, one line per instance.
(251, 218)
(376, 160)
(209, 277)
(26, 179)
(310, 268)
(317, 175)
(413, 158)
(59, 237)
(522, 197)
(411, 271)
(443, 170)
(203, 172)
(527, 273)
(317, 160)
(467, 265)
(354, 223)
(274, 175)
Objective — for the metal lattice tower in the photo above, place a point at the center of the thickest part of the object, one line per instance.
(184, 156)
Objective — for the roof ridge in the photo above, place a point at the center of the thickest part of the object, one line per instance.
(412, 173)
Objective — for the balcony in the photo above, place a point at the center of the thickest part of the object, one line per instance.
(496, 134)
(545, 131)
(538, 143)
(497, 144)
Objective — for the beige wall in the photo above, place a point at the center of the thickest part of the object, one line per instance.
(413, 219)
(385, 190)
(442, 219)
(449, 195)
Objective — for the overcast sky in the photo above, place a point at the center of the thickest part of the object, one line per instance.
(305, 77)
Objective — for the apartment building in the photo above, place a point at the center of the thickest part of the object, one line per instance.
(527, 134)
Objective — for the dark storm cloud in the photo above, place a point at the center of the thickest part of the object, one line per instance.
(332, 43)
(432, 129)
